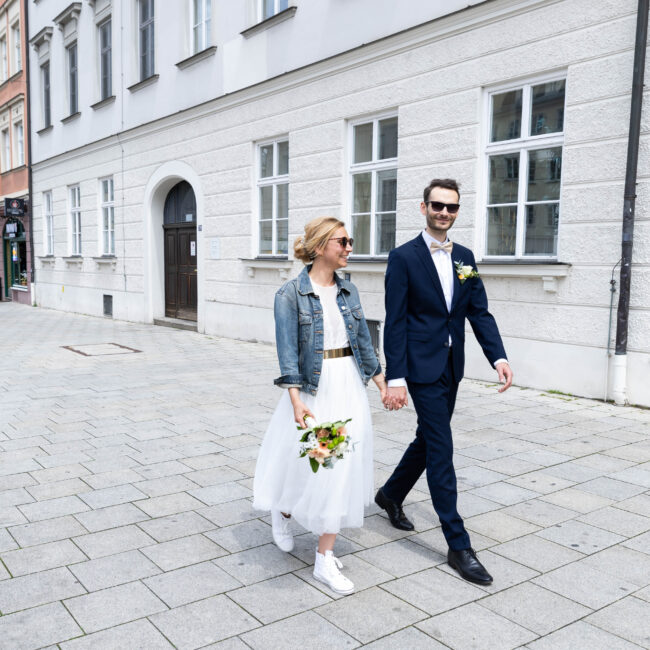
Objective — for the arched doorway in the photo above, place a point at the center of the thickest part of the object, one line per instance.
(179, 225)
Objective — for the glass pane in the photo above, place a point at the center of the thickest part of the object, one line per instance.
(282, 236)
(541, 229)
(283, 201)
(506, 115)
(266, 242)
(198, 11)
(388, 138)
(502, 230)
(386, 191)
(547, 112)
(504, 178)
(267, 8)
(363, 143)
(283, 4)
(361, 234)
(266, 202)
(385, 241)
(106, 247)
(266, 161)
(283, 158)
(544, 172)
(362, 185)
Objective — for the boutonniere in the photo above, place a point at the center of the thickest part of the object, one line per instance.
(465, 272)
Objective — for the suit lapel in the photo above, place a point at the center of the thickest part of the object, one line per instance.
(458, 287)
(425, 257)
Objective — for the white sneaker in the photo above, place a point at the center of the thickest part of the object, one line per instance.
(282, 535)
(326, 569)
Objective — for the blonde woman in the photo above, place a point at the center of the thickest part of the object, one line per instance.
(326, 359)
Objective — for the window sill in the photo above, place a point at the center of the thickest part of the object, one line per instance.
(195, 58)
(269, 22)
(549, 272)
(103, 102)
(47, 260)
(70, 117)
(375, 265)
(73, 260)
(281, 264)
(44, 130)
(142, 84)
(17, 287)
(105, 261)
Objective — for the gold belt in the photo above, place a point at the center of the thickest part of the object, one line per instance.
(337, 353)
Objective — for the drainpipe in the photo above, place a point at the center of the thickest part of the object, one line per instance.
(619, 383)
(28, 133)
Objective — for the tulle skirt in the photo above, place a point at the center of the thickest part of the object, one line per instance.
(330, 499)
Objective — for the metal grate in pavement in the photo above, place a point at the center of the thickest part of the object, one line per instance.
(100, 349)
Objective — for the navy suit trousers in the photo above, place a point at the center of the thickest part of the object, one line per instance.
(433, 450)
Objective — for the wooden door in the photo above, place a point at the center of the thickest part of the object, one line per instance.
(180, 271)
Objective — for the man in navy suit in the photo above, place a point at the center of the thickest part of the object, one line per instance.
(428, 298)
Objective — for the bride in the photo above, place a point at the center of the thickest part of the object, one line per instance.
(326, 359)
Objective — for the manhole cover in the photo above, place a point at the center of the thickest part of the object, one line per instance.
(100, 349)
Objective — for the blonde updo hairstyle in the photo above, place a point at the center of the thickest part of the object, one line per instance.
(317, 233)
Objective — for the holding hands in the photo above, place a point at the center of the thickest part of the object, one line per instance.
(396, 397)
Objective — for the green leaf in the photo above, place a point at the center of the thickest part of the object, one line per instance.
(314, 465)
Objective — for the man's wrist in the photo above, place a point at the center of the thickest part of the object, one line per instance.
(498, 361)
(397, 383)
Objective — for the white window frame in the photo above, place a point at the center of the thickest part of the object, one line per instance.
(204, 25)
(277, 8)
(4, 58)
(274, 180)
(19, 143)
(373, 167)
(521, 146)
(105, 59)
(107, 216)
(17, 59)
(5, 134)
(74, 207)
(146, 60)
(46, 94)
(48, 224)
(73, 77)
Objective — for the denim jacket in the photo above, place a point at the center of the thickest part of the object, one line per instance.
(299, 332)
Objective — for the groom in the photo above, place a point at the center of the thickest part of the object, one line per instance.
(428, 299)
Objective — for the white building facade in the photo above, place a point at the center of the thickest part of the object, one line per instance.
(179, 148)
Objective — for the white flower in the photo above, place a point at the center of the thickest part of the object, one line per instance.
(466, 270)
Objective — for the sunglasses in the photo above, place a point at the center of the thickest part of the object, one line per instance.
(437, 206)
(344, 241)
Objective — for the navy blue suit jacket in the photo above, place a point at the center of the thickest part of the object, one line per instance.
(418, 324)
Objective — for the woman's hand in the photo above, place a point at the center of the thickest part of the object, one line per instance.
(380, 382)
(300, 410)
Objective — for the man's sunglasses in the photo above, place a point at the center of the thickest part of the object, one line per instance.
(344, 241)
(437, 206)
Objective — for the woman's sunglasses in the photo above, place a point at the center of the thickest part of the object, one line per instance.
(344, 241)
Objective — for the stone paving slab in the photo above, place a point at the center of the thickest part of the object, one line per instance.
(126, 516)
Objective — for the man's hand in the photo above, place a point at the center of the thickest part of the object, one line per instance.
(396, 398)
(505, 376)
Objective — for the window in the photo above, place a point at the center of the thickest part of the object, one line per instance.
(268, 8)
(73, 86)
(48, 224)
(105, 60)
(373, 182)
(201, 20)
(108, 217)
(4, 63)
(146, 39)
(19, 142)
(45, 86)
(6, 150)
(75, 219)
(273, 192)
(17, 62)
(524, 169)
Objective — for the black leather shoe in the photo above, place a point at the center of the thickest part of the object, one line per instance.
(394, 511)
(467, 564)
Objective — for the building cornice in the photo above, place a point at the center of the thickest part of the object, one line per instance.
(44, 36)
(71, 12)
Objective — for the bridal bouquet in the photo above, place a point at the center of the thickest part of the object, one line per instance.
(324, 444)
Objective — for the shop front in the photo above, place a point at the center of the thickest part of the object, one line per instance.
(15, 253)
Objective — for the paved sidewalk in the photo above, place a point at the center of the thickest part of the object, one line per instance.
(126, 518)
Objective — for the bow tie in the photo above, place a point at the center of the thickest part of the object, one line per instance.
(447, 247)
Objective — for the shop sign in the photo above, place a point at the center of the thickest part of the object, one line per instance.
(11, 230)
(14, 207)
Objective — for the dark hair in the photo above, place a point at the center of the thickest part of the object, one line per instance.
(447, 183)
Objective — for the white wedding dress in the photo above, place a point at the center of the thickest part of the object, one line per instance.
(331, 499)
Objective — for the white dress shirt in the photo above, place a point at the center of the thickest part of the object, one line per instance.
(444, 267)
